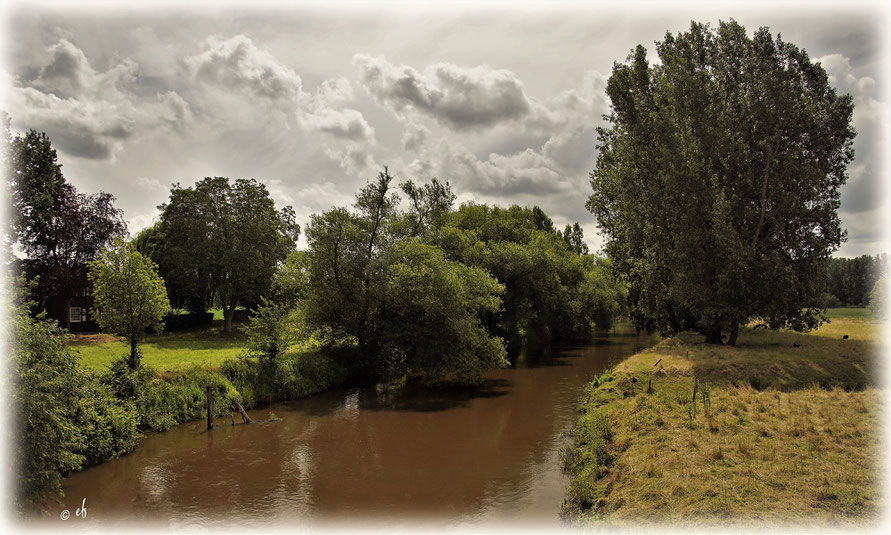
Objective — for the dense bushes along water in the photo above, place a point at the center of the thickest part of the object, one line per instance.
(71, 418)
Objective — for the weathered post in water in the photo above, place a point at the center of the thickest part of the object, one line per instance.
(209, 395)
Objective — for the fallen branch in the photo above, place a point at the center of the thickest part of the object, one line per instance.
(244, 416)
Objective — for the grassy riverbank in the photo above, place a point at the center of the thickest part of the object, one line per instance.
(178, 366)
(784, 428)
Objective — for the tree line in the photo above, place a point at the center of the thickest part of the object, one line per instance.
(851, 281)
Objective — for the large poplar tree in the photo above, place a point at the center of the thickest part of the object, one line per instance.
(717, 180)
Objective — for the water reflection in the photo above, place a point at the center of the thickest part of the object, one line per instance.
(469, 455)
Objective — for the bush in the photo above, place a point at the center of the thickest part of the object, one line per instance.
(46, 398)
(163, 403)
(293, 376)
(68, 418)
(109, 425)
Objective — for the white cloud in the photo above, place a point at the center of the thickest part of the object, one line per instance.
(346, 124)
(88, 113)
(871, 119)
(237, 64)
(459, 97)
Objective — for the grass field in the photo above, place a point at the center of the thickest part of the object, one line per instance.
(849, 312)
(165, 352)
(785, 427)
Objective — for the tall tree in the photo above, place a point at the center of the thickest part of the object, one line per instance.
(57, 228)
(221, 240)
(129, 295)
(717, 181)
(574, 237)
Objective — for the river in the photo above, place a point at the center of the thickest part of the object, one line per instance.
(360, 455)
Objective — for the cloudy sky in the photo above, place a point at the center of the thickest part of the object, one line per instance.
(502, 101)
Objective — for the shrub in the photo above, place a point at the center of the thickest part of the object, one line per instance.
(163, 403)
(109, 425)
(294, 375)
(45, 396)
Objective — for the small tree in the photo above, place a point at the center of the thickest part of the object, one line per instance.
(271, 332)
(129, 295)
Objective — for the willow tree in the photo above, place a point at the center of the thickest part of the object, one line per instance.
(717, 180)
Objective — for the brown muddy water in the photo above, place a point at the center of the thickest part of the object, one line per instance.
(462, 456)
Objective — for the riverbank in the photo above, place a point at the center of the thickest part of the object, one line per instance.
(785, 427)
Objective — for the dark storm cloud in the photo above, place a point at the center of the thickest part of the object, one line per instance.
(64, 75)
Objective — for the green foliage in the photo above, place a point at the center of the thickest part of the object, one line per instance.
(717, 180)
(402, 287)
(878, 299)
(65, 417)
(45, 397)
(37, 185)
(161, 403)
(551, 292)
(129, 296)
(395, 305)
(272, 330)
(295, 375)
(57, 228)
(430, 309)
(110, 425)
(850, 280)
(291, 280)
(430, 204)
(220, 240)
(574, 237)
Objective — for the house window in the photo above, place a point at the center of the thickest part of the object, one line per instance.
(75, 314)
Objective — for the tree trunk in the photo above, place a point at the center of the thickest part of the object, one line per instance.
(134, 354)
(713, 336)
(68, 314)
(228, 312)
(734, 333)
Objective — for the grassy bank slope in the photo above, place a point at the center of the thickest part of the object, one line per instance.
(785, 427)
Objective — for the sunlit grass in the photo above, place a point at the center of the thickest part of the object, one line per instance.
(174, 351)
(791, 433)
(857, 323)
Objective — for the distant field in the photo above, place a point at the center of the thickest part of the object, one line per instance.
(849, 312)
(857, 323)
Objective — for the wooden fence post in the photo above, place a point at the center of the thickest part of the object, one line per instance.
(209, 395)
